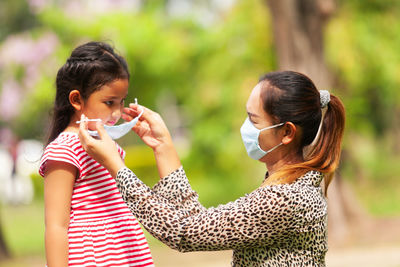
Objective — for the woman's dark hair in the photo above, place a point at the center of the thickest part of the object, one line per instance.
(292, 97)
(89, 67)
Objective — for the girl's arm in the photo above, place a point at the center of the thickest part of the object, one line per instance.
(58, 185)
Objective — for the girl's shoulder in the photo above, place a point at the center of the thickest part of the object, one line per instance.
(66, 138)
(65, 148)
(66, 141)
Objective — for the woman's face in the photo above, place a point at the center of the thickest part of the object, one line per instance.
(107, 102)
(260, 119)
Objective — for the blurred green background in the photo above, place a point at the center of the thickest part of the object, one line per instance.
(195, 62)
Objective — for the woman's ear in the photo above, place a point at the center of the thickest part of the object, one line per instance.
(76, 100)
(289, 133)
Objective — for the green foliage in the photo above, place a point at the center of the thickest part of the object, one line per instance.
(15, 16)
(32, 122)
(38, 186)
(363, 48)
(374, 175)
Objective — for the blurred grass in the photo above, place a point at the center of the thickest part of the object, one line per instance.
(23, 228)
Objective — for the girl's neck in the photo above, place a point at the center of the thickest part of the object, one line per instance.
(71, 129)
(73, 126)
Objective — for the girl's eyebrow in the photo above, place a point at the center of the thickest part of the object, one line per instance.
(252, 114)
(115, 97)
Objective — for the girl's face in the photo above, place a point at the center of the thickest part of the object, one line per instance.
(107, 102)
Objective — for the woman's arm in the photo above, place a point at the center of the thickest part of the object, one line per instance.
(264, 217)
(58, 185)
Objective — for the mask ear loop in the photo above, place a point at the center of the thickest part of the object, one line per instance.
(325, 98)
(308, 149)
(278, 145)
(271, 149)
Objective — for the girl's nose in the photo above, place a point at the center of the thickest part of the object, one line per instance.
(117, 113)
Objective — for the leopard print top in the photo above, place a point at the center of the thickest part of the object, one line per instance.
(281, 225)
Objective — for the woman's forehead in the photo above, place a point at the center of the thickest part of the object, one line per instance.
(254, 103)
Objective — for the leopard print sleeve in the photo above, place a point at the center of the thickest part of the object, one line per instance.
(266, 216)
(176, 189)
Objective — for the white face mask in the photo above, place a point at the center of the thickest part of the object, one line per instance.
(116, 131)
(250, 136)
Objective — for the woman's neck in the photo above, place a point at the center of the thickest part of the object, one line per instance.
(283, 161)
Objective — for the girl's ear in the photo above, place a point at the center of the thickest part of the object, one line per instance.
(289, 133)
(76, 100)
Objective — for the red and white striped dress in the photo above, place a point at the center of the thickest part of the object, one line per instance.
(102, 230)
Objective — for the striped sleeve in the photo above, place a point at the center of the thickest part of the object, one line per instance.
(58, 152)
(121, 151)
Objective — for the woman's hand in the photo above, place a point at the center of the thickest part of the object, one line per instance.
(150, 127)
(154, 133)
(103, 150)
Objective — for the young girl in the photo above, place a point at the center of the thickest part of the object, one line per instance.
(87, 221)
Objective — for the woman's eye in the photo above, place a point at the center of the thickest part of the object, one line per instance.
(109, 103)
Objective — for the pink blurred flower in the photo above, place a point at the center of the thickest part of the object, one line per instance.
(37, 5)
(76, 8)
(22, 49)
(10, 99)
(30, 54)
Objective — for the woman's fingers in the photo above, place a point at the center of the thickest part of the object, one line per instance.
(131, 112)
(84, 135)
(148, 115)
(128, 114)
(102, 150)
(101, 131)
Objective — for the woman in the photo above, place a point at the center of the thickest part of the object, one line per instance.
(291, 127)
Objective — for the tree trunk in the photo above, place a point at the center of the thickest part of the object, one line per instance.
(298, 30)
(298, 27)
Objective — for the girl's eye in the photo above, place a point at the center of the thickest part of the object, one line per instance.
(109, 103)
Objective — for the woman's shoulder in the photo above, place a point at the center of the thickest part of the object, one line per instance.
(309, 182)
(311, 178)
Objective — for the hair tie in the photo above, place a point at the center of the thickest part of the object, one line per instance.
(325, 98)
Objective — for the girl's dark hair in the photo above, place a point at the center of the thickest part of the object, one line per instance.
(89, 67)
(292, 97)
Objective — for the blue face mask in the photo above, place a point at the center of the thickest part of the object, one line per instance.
(116, 131)
(250, 136)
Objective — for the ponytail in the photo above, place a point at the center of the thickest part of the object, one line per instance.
(325, 155)
(322, 154)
